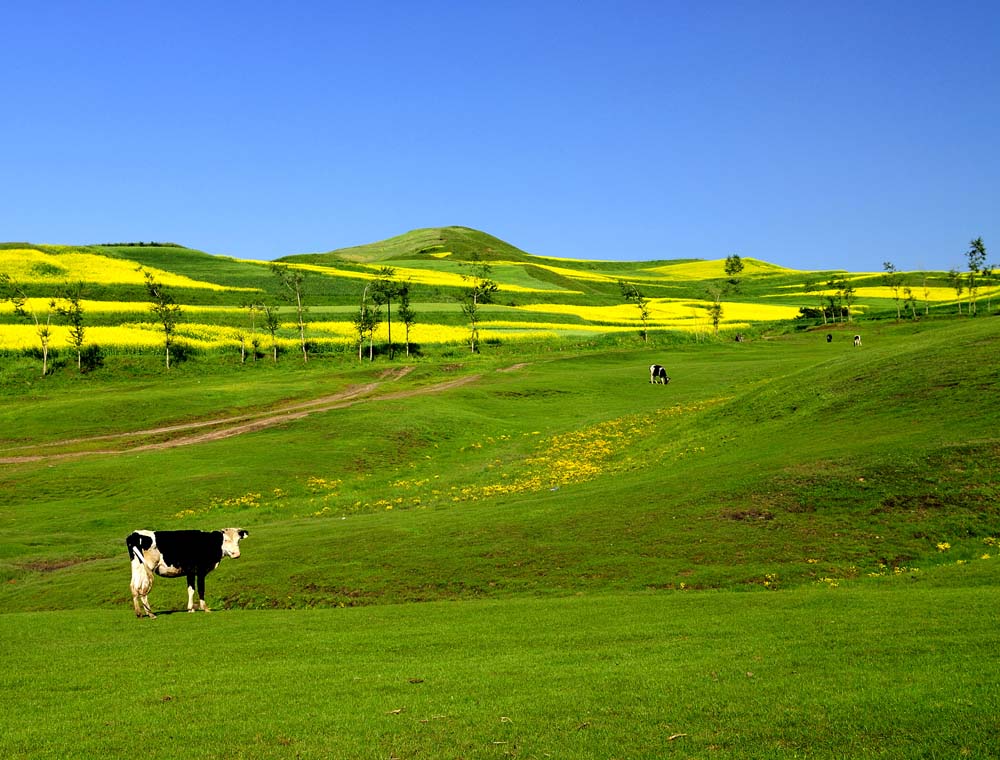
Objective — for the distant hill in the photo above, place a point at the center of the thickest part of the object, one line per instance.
(457, 243)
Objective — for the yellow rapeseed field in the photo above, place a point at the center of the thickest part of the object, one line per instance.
(712, 269)
(417, 276)
(29, 265)
(934, 294)
(674, 312)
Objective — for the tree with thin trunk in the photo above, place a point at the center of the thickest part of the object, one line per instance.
(632, 294)
(385, 289)
(836, 300)
(479, 290)
(955, 279)
(927, 295)
(849, 294)
(366, 321)
(715, 308)
(893, 279)
(241, 338)
(73, 313)
(976, 260)
(163, 305)
(911, 301)
(293, 280)
(272, 321)
(405, 312)
(42, 319)
(253, 308)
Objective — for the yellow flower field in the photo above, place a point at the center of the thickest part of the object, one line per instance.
(934, 294)
(669, 311)
(417, 276)
(688, 316)
(29, 265)
(712, 269)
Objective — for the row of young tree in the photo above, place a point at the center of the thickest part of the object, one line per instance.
(479, 289)
(978, 274)
(67, 305)
(733, 268)
(384, 290)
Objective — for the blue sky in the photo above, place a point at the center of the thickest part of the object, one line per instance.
(812, 134)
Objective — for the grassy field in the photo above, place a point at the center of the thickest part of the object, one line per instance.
(792, 550)
(900, 672)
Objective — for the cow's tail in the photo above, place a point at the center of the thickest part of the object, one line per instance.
(142, 578)
(134, 547)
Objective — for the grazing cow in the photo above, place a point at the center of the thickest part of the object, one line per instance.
(658, 374)
(740, 338)
(829, 338)
(857, 340)
(172, 553)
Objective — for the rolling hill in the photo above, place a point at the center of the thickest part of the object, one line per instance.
(789, 550)
(538, 298)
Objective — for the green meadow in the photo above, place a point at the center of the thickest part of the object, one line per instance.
(792, 550)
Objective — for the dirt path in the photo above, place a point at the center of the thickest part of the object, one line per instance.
(227, 427)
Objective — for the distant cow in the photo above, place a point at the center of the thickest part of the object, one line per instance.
(829, 338)
(739, 338)
(658, 374)
(857, 340)
(173, 553)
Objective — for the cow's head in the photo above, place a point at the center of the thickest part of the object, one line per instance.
(231, 541)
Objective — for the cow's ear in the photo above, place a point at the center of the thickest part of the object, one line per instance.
(244, 533)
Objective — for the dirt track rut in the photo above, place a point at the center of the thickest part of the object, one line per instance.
(227, 427)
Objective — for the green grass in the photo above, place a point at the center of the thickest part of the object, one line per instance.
(782, 553)
(872, 673)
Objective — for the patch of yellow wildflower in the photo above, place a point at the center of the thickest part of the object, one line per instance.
(249, 500)
(322, 485)
(577, 456)
(884, 570)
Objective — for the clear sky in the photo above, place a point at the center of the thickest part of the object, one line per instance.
(814, 134)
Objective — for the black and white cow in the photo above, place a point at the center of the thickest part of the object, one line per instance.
(658, 374)
(173, 553)
(857, 340)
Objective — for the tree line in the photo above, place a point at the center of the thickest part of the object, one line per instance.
(384, 290)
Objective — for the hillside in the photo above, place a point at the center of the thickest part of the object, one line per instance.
(538, 299)
(458, 243)
(789, 550)
(538, 479)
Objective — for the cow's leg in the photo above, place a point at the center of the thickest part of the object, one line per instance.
(142, 582)
(190, 580)
(201, 593)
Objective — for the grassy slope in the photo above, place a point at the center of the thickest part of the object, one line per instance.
(786, 464)
(782, 452)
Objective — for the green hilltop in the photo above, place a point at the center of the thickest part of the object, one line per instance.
(459, 243)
